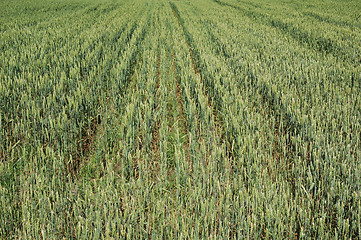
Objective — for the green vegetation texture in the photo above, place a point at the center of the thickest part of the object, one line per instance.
(202, 119)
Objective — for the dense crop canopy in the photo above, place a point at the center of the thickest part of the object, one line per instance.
(206, 119)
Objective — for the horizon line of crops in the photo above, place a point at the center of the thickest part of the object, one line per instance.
(318, 43)
(330, 14)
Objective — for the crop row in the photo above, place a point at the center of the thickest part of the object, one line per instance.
(303, 125)
(173, 119)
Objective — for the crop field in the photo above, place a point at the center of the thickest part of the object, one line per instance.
(179, 119)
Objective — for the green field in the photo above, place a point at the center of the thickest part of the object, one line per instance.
(204, 119)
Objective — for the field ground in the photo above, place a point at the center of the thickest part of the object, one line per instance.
(204, 119)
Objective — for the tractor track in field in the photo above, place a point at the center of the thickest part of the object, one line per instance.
(139, 142)
(130, 84)
(177, 133)
(195, 58)
(268, 109)
(179, 92)
(154, 146)
(85, 146)
(272, 105)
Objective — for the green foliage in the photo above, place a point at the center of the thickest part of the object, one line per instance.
(223, 119)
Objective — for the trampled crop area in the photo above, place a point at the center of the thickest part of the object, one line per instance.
(204, 119)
